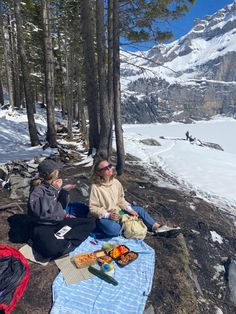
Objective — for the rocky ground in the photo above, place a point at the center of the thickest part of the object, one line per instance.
(193, 273)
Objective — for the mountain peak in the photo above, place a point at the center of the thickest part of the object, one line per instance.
(198, 66)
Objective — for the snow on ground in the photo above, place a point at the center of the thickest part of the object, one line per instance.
(14, 136)
(210, 173)
(216, 237)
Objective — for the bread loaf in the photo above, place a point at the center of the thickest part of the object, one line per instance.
(85, 259)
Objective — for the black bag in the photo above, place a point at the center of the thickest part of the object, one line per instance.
(20, 228)
(47, 245)
(14, 274)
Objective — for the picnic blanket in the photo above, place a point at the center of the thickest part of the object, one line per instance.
(95, 296)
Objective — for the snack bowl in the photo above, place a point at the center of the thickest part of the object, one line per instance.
(104, 259)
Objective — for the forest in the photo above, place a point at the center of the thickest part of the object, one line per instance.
(65, 55)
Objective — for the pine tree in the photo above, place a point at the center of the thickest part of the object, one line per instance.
(105, 112)
(7, 51)
(26, 81)
(49, 76)
(140, 19)
(90, 74)
(1, 94)
(116, 87)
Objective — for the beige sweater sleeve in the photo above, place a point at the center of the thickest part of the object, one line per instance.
(94, 202)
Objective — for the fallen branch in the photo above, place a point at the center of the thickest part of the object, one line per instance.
(12, 205)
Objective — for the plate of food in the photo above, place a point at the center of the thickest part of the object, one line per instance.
(118, 251)
(126, 258)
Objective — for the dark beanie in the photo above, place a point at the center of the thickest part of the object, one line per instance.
(47, 166)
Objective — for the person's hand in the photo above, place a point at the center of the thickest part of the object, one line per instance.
(57, 183)
(133, 213)
(69, 187)
(114, 216)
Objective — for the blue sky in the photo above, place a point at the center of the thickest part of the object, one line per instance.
(180, 27)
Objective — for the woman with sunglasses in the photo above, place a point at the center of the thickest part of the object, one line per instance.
(107, 200)
(47, 206)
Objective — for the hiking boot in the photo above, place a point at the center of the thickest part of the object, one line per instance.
(166, 231)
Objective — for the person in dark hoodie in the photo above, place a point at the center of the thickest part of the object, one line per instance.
(47, 207)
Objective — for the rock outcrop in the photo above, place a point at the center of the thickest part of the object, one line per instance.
(192, 78)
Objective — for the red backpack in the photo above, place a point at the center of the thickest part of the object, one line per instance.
(14, 274)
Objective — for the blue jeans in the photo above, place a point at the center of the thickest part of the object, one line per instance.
(112, 228)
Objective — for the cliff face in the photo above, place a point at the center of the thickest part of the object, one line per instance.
(192, 78)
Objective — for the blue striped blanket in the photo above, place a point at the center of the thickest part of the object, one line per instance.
(95, 296)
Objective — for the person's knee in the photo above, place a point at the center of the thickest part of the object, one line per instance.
(114, 232)
(113, 229)
(138, 209)
(110, 228)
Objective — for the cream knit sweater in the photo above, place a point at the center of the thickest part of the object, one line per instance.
(106, 198)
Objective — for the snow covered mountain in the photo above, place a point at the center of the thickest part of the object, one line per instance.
(192, 78)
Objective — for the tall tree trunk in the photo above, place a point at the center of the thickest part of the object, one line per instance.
(75, 107)
(110, 69)
(14, 62)
(6, 48)
(116, 86)
(80, 101)
(74, 84)
(11, 59)
(21, 84)
(69, 89)
(105, 119)
(69, 101)
(26, 80)
(36, 92)
(90, 74)
(1, 94)
(61, 82)
(49, 77)
(83, 125)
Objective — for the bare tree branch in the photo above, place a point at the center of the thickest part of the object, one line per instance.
(150, 60)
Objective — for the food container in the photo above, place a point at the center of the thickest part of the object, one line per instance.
(99, 253)
(118, 251)
(104, 259)
(107, 247)
(84, 260)
(108, 269)
(126, 258)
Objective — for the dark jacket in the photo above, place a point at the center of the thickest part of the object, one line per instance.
(46, 204)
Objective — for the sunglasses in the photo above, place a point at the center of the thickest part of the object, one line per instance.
(106, 168)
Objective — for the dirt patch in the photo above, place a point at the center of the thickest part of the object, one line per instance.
(185, 278)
